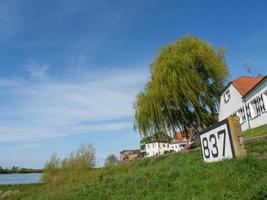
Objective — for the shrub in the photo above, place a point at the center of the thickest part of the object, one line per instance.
(82, 159)
(111, 160)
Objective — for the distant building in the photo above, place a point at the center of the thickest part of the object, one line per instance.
(178, 143)
(128, 155)
(245, 97)
(178, 146)
(156, 148)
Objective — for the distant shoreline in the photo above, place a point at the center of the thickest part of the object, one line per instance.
(36, 172)
(20, 171)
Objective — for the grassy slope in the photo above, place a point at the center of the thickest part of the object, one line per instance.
(259, 131)
(175, 176)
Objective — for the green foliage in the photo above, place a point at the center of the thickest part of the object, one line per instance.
(157, 137)
(53, 163)
(187, 79)
(174, 176)
(81, 159)
(111, 160)
(15, 169)
(258, 148)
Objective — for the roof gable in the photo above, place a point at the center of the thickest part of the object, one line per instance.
(244, 84)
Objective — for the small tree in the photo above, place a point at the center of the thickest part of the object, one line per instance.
(111, 160)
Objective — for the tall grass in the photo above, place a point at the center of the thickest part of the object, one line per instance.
(181, 176)
(81, 159)
(174, 176)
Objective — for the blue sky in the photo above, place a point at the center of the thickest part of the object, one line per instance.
(70, 70)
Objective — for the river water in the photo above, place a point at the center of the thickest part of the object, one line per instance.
(20, 178)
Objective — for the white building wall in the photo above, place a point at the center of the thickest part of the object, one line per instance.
(177, 147)
(174, 147)
(156, 148)
(234, 103)
(261, 119)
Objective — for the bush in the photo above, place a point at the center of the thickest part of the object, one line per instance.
(53, 162)
(111, 160)
(51, 167)
(82, 159)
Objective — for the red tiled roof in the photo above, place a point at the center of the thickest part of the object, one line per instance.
(244, 84)
(180, 138)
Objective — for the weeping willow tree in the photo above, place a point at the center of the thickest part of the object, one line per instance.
(187, 79)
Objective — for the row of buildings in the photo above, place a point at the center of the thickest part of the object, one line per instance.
(153, 148)
(178, 143)
(244, 97)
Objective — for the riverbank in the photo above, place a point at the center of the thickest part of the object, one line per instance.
(174, 176)
(15, 191)
(18, 170)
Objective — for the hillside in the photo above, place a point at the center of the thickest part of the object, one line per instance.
(256, 132)
(175, 176)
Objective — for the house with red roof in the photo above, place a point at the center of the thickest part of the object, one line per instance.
(180, 142)
(245, 97)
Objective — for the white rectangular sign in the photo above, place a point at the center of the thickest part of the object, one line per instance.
(216, 142)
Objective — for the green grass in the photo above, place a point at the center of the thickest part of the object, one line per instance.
(175, 176)
(259, 131)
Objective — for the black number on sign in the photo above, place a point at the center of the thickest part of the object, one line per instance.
(206, 147)
(222, 132)
(213, 141)
(214, 145)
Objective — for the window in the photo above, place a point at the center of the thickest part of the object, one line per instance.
(253, 108)
(248, 111)
(262, 102)
(257, 105)
(227, 96)
(241, 114)
(265, 99)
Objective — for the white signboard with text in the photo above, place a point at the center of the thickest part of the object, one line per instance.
(216, 142)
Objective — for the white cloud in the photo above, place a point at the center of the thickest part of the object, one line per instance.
(84, 103)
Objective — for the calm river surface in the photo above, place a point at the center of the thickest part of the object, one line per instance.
(20, 178)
